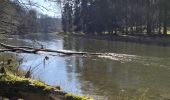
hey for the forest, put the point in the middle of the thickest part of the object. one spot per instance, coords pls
(116, 16)
(16, 17)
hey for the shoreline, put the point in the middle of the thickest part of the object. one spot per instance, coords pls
(160, 40)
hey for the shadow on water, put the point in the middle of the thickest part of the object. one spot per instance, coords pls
(135, 70)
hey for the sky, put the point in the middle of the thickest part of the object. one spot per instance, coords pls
(48, 8)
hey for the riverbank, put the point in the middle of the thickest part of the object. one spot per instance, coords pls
(162, 40)
(15, 87)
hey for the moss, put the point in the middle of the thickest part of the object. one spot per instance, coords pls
(70, 96)
(24, 84)
(14, 86)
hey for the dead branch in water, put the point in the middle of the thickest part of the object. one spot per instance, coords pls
(26, 49)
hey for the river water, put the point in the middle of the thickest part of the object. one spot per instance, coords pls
(134, 72)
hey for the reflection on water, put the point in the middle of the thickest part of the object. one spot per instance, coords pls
(134, 70)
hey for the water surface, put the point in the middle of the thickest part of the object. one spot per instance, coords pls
(134, 72)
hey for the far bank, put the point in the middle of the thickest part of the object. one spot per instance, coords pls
(162, 40)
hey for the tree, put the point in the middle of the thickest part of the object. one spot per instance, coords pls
(67, 18)
(118, 16)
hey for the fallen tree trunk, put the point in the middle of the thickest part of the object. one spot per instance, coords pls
(18, 49)
(11, 47)
(36, 50)
(111, 56)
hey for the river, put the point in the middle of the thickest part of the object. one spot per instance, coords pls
(135, 72)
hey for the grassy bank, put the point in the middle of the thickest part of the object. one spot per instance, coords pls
(14, 87)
